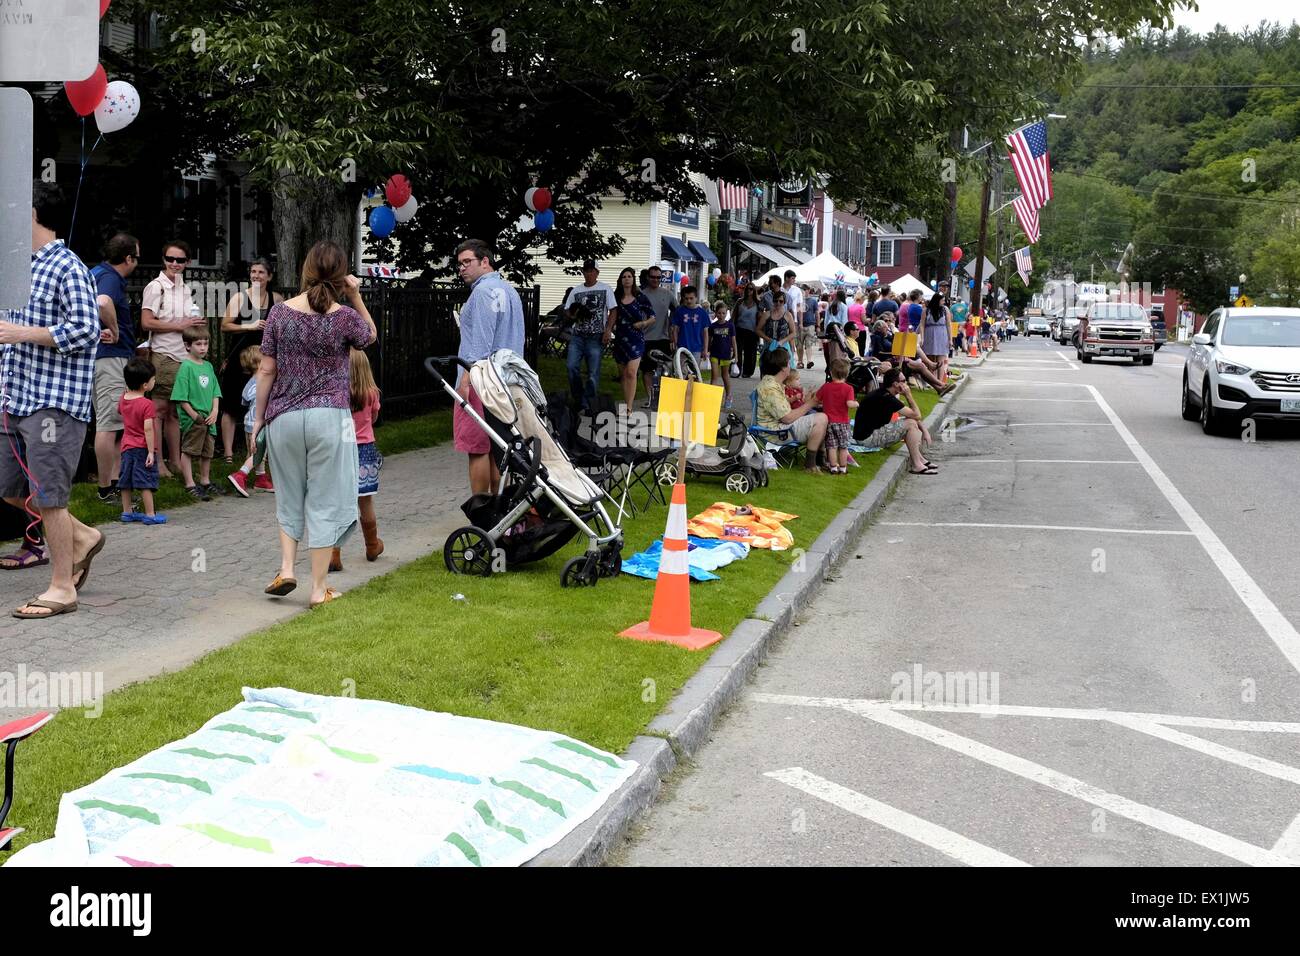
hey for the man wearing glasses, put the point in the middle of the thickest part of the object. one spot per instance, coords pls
(492, 319)
(165, 312)
(656, 337)
(116, 348)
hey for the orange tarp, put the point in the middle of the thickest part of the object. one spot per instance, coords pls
(761, 528)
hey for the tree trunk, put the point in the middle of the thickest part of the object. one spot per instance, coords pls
(305, 211)
(948, 230)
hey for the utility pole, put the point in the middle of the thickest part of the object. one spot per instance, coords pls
(997, 205)
(948, 231)
(977, 301)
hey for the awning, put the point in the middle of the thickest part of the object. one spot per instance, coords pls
(676, 249)
(770, 253)
(799, 255)
(702, 251)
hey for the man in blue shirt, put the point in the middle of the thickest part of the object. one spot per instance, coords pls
(492, 319)
(116, 348)
(47, 375)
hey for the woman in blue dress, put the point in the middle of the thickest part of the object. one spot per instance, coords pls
(635, 315)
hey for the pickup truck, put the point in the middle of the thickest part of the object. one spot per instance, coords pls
(1116, 330)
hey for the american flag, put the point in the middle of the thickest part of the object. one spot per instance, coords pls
(1027, 215)
(813, 211)
(1024, 264)
(1031, 162)
(732, 197)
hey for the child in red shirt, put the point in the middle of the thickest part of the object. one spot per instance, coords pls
(140, 436)
(837, 397)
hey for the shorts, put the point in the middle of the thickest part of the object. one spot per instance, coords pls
(810, 339)
(469, 436)
(50, 441)
(369, 461)
(110, 385)
(802, 428)
(886, 435)
(136, 475)
(837, 435)
(164, 370)
(197, 441)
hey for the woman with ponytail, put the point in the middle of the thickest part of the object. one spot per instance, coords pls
(304, 406)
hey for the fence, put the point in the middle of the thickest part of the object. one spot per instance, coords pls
(414, 321)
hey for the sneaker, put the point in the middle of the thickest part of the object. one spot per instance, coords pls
(153, 519)
(727, 403)
(240, 480)
(109, 493)
(197, 493)
(263, 483)
(215, 491)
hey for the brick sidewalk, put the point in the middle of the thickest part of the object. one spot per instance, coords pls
(160, 597)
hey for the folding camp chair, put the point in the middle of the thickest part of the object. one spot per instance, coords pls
(785, 448)
(11, 734)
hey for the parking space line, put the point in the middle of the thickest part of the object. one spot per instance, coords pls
(1072, 401)
(950, 844)
(1032, 527)
(1288, 844)
(1027, 710)
(1049, 461)
(1169, 823)
(1270, 768)
(1035, 424)
(1279, 629)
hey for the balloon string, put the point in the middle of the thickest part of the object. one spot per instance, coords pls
(81, 176)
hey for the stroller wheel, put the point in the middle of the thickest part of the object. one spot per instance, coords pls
(576, 573)
(739, 482)
(610, 564)
(666, 472)
(468, 551)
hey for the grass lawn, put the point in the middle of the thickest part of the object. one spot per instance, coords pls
(516, 648)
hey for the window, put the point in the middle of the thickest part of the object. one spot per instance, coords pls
(885, 252)
(1212, 324)
(196, 218)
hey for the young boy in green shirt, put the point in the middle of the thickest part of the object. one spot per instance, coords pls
(195, 394)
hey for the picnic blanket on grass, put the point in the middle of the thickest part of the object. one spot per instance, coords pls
(293, 779)
(758, 528)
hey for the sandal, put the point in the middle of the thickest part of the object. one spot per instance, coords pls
(281, 586)
(84, 564)
(54, 607)
(927, 470)
(330, 595)
(26, 558)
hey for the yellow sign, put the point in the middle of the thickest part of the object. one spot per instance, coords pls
(954, 329)
(904, 344)
(706, 406)
(1243, 301)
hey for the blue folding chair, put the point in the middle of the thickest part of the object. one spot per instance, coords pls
(780, 442)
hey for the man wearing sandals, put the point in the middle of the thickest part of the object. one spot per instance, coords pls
(48, 375)
(872, 425)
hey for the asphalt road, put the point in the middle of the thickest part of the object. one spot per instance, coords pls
(1075, 645)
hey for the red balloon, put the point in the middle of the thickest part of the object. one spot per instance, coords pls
(956, 252)
(85, 95)
(103, 7)
(398, 190)
(685, 279)
(542, 199)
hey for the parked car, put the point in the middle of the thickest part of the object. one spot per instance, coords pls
(1243, 363)
(1115, 329)
(1036, 323)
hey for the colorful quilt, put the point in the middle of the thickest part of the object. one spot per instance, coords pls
(292, 779)
(756, 527)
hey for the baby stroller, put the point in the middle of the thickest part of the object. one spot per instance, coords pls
(542, 500)
(862, 371)
(736, 456)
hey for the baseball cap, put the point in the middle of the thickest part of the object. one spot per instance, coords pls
(589, 264)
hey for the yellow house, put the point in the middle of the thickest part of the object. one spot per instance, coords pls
(653, 234)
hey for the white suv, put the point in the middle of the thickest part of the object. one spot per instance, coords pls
(1243, 363)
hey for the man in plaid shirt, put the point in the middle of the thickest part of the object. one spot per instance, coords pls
(47, 375)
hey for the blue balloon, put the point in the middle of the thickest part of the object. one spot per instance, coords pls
(544, 220)
(711, 281)
(970, 283)
(382, 221)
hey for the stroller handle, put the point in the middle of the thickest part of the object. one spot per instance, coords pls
(433, 361)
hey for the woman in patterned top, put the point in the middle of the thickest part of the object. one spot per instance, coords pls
(303, 402)
(635, 315)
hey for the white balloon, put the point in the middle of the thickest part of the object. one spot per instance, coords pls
(528, 198)
(119, 107)
(717, 272)
(405, 211)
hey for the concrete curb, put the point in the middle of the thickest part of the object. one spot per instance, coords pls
(684, 726)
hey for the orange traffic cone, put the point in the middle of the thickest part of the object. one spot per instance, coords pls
(973, 351)
(670, 614)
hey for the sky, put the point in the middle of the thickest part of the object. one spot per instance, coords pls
(1236, 14)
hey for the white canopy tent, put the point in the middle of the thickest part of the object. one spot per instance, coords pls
(825, 270)
(905, 285)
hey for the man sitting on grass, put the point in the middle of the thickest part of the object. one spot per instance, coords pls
(872, 425)
(806, 424)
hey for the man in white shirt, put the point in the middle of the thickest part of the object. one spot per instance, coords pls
(590, 307)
